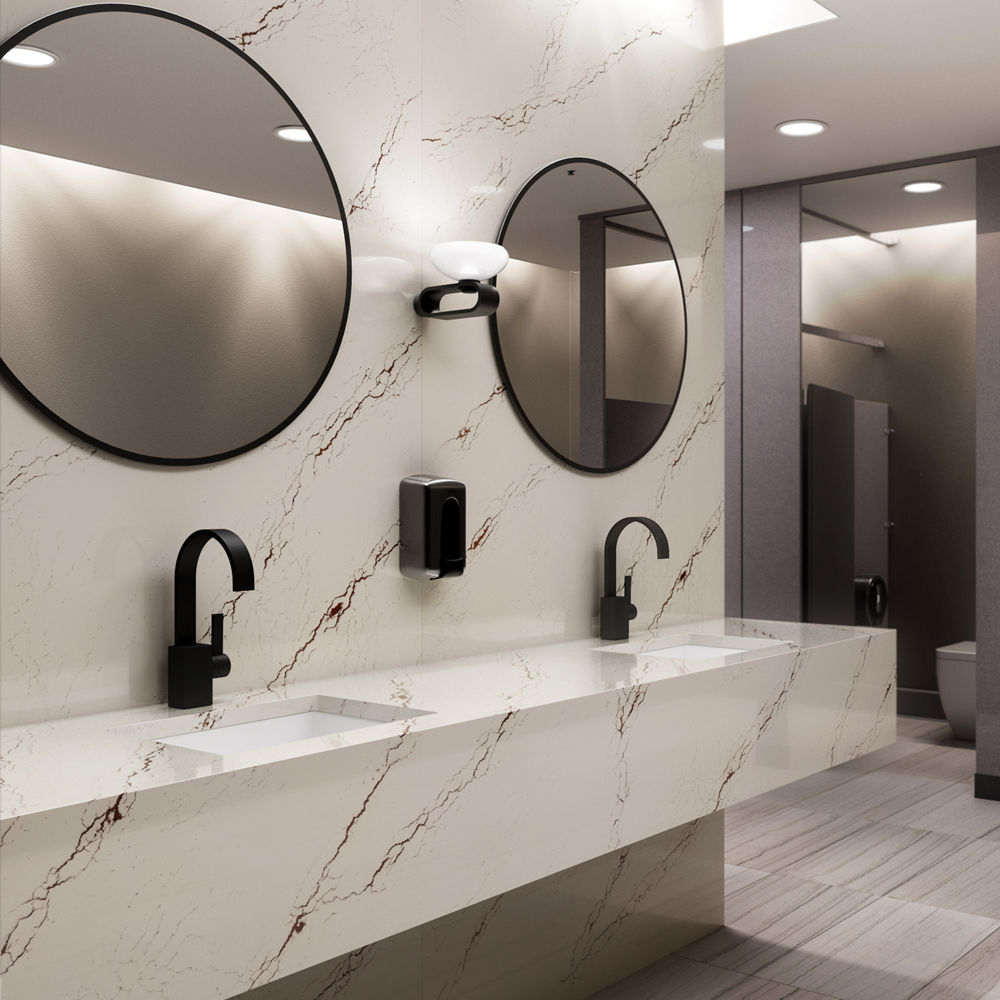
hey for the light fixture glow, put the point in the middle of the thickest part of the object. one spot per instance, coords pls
(923, 187)
(748, 229)
(471, 264)
(469, 260)
(28, 55)
(293, 133)
(746, 19)
(714, 144)
(801, 127)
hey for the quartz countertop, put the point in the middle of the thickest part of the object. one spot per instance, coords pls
(529, 762)
(79, 759)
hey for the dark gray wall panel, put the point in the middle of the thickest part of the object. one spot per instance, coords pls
(772, 475)
(829, 517)
(734, 404)
(988, 466)
(871, 490)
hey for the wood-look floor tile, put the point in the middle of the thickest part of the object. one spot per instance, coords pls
(885, 951)
(943, 763)
(953, 809)
(875, 795)
(885, 756)
(968, 879)
(769, 838)
(805, 788)
(676, 978)
(929, 730)
(975, 976)
(738, 878)
(875, 858)
(768, 918)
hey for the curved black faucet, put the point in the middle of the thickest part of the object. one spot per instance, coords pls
(617, 612)
(192, 666)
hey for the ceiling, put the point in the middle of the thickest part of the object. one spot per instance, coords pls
(149, 95)
(894, 81)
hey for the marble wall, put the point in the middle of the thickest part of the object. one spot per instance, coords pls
(432, 115)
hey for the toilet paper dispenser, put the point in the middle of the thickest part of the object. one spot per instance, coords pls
(431, 527)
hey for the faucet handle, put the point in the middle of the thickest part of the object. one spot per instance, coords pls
(220, 662)
(632, 609)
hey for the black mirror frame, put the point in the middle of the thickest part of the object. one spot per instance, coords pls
(495, 331)
(23, 35)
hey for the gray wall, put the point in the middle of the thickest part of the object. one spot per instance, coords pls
(920, 298)
(988, 474)
(767, 339)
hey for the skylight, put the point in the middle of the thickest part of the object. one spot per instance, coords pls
(745, 19)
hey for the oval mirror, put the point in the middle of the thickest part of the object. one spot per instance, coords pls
(591, 331)
(174, 276)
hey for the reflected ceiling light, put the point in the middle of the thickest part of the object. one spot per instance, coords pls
(745, 19)
(923, 187)
(801, 127)
(714, 144)
(471, 264)
(293, 133)
(28, 55)
(748, 229)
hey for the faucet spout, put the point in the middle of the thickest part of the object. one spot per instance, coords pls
(185, 573)
(191, 665)
(617, 612)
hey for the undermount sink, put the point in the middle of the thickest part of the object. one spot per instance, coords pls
(694, 647)
(277, 724)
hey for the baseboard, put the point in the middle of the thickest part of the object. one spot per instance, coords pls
(922, 704)
(988, 786)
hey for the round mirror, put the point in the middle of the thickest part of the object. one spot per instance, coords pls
(174, 274)
(591, 331)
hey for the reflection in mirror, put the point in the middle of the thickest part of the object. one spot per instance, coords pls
(591, 333)
(174, 277)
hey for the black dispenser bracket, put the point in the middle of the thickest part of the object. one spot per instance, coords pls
(431, 527)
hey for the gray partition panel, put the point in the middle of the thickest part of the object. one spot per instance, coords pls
(871, 490)
(829, 520)
(771, 431)
(988, 474)
(734, 403)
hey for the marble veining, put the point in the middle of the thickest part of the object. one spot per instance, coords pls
(427, 800)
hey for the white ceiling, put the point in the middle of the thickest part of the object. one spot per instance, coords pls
(895, 80)
(151, 96)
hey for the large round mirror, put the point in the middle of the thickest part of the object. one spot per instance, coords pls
(591, 330)
(174, 275)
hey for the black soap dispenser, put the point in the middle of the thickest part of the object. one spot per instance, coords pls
(431, 527)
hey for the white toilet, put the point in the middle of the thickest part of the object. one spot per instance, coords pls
(956, 677)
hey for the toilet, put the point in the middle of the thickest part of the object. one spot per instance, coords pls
(956, 677)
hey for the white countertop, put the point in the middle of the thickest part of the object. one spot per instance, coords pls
(78, 760)
(533, 760)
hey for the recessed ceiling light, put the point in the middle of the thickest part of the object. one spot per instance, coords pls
(28, 55)
(714, 144)
(293, 133)
(801, 127)
(923, 187)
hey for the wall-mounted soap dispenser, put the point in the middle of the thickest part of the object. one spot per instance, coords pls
(431, 527)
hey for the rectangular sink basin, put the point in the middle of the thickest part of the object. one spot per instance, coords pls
(694, 647)
(304, 719)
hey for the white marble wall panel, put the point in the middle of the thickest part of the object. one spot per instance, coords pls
(641, 93)
(415, 105)
(89, 540)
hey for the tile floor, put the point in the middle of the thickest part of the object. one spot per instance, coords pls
(876, 880)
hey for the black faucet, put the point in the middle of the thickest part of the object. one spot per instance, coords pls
(617, 612)
(192, 666)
